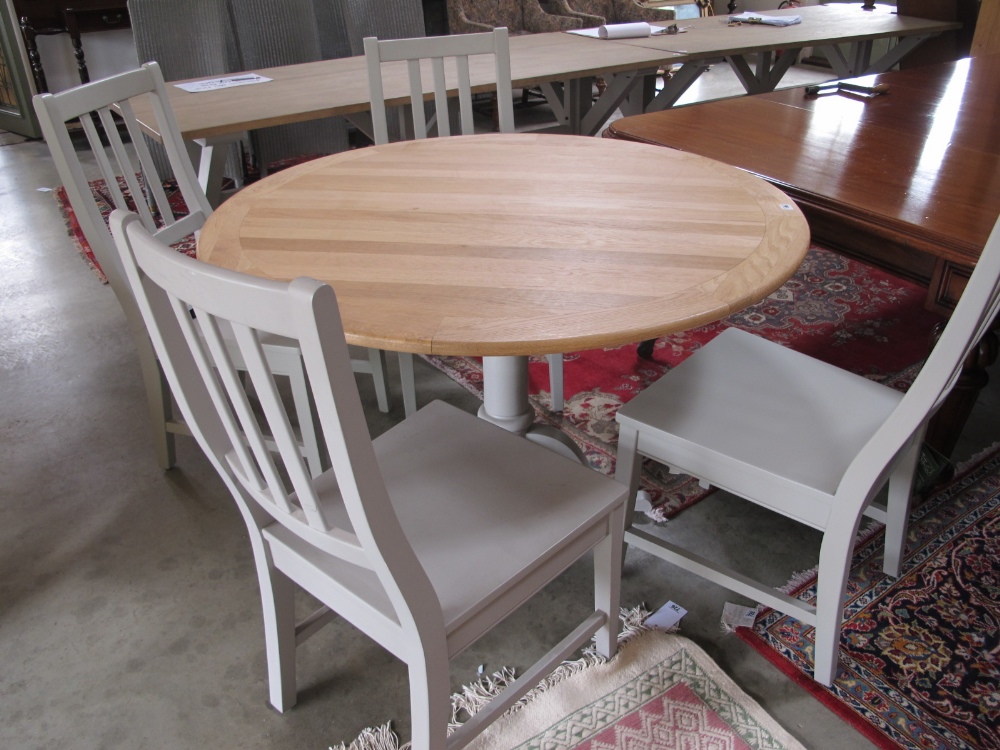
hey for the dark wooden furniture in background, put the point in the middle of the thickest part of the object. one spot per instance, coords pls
(909, 180)
(950, 45)
(73, 17)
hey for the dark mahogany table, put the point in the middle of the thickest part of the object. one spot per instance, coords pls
(908, 180)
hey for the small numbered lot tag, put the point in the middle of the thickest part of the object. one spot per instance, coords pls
(786, 206)
(666, 617)
(738, 616)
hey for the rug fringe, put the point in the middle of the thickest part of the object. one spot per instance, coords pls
(374, 738)
(474, 697)
(976, 459)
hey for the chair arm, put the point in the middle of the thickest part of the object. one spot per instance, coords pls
(538, 21)
(460, 23)
(562, 8)
(629, 10)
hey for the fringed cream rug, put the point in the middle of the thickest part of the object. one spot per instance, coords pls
(660, 691)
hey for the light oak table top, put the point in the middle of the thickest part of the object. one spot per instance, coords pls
(502, 245)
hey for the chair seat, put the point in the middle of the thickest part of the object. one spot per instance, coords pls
(748, 412)
(478, 529)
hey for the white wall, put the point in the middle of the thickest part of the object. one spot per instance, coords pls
(105, 52)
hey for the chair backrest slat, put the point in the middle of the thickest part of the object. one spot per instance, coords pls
(156, 196)
(464, 94)
(136, 181)
(281, 431)
(437, 51)
(441, 97)
(215, 364)
(417, 99)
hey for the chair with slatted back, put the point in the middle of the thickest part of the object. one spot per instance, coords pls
(131, 181)
(444, 77)
(424, 538)
(804, 439)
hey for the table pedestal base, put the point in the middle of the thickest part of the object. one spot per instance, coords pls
(505, 404)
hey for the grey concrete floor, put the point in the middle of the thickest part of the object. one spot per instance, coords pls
(129, 610)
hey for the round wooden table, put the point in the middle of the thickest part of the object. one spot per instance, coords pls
(505, 246)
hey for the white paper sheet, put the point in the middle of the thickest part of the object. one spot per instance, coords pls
(212, 84)
(625, 30)
(635, 30)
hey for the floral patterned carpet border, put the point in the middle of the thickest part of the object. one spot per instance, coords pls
(834, 308)
(920, 656)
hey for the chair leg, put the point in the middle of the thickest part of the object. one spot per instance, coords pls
(430, 704)
(834, 566)
(898, 508)
(307, 417)
(377, 359)
(627, 466)
(645, 348)
(408, 384)
(556, 380)
(608, 556)
(277, 594)
(158, 399)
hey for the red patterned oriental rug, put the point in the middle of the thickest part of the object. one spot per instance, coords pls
(920, 655)
(104, 201)
(836, 309)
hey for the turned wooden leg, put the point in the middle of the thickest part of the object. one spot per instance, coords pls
(34, 59)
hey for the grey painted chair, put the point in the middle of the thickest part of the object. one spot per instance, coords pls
(390, 538)
(801, 438)
(455, 51)
(108, 101)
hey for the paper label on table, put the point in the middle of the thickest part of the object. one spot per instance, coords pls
(222, 83)
(765, 20)
(666, 617)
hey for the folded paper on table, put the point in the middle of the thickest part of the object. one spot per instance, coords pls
(765, 20)
(620, 31)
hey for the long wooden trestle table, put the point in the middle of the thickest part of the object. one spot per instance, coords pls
(506, 246)
(564, 65)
